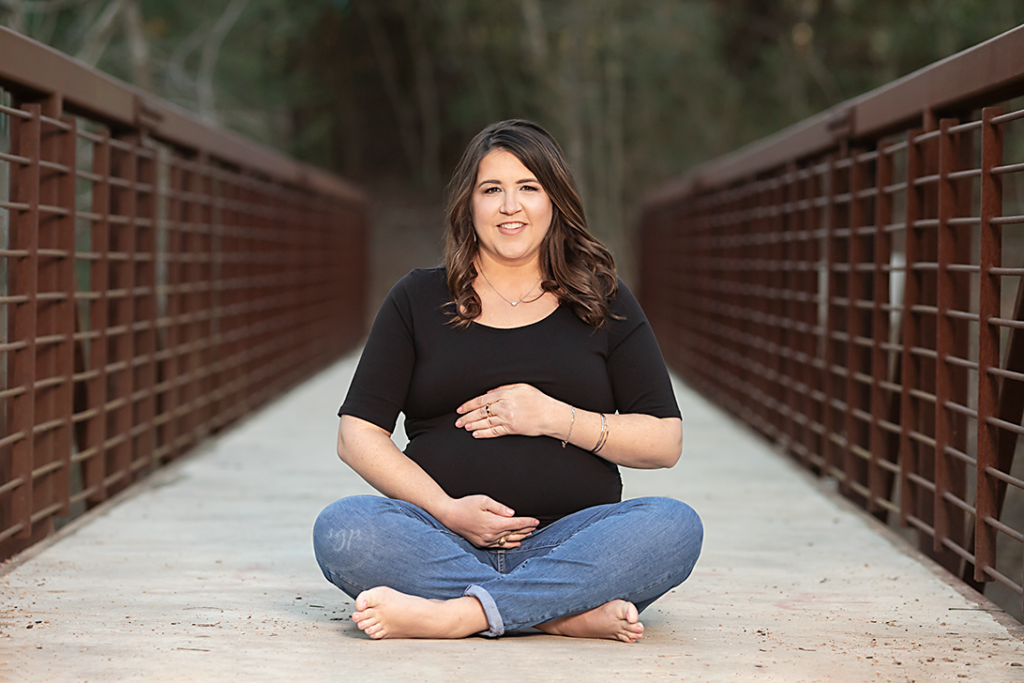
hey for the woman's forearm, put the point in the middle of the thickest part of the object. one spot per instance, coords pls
(632, 440)
(483, 521)
(369, 450)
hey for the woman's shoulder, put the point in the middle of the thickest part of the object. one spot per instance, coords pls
(422, 283)
(418, 277)
(626, 314)
(624, 304)
(420, 289)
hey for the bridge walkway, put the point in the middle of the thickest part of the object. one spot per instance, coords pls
(205, 572)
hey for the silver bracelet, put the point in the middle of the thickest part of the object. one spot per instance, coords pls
(572, 421)
(603, 436)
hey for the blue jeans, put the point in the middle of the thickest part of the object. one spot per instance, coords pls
(636, 550)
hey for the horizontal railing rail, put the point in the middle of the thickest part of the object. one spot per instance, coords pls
(852, 288)
(161, 279)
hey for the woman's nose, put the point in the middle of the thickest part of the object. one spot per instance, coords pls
(511, 204)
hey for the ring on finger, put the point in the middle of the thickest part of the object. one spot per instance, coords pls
(487, 407)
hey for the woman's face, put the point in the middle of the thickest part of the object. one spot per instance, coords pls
(511, 211)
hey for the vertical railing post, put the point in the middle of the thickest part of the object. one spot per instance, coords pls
(879, 480)
(99, 309)
(146, 339)
(830, 446)
(772, 286)
(947, 194)
(24, 237)
(66, 145)
(123, 228)
(190, 298)
(215, 375)
(853, 463)
(789, 227)
(910, 333)
(990, 296)
(817, 287)
(173, 226)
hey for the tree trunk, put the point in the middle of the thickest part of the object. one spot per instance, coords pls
(392, 83)
(426, 95)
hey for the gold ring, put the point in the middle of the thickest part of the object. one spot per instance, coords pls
(487, 407)
(501, 541)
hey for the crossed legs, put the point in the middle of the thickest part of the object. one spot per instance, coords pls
(588, 575)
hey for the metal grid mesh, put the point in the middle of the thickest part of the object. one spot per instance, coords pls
(836, 304)
(153, 294)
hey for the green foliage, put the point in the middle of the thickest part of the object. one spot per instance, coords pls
(637, 91)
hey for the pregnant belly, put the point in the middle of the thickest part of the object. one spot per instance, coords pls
(534, 476)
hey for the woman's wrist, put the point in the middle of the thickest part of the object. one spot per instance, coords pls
(440, 508)
(565, 422)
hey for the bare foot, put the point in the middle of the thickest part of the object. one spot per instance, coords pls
(383, 612)
(615, 620)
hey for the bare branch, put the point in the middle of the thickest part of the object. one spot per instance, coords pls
(211, 52)
(42, 6)
(176, 77)
(138, 46)
(16, 16)
(100, 33)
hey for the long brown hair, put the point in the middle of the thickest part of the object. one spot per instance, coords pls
(575, 266)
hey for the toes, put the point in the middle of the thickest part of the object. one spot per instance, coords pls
(631, 613)
(368, 621)
(369, 598)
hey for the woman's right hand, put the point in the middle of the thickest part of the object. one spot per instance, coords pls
(486, 523)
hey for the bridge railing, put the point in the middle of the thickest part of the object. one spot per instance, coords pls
(852, 288)
(161, 279)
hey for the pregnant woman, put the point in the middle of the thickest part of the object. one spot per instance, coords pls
(527, 373)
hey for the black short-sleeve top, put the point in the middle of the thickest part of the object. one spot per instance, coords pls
(416, 362)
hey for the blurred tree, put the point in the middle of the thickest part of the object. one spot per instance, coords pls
(389, 91)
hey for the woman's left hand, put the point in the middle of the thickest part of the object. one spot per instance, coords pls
(510, 409)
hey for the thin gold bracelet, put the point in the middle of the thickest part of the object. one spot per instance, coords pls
(572, 421)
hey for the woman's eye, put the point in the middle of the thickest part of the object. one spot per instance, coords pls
(532, 188)
(491, 190)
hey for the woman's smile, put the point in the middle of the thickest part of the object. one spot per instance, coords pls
(511, 228)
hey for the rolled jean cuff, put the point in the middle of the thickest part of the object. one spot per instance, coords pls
(496, 626)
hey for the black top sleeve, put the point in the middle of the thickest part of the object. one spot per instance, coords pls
(381, 382)
(640, 381)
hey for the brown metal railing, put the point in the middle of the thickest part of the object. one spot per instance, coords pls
(161, 279)
(852, 287)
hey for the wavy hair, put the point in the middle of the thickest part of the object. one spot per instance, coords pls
(575, 266)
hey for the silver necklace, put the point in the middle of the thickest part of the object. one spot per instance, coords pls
(511, 303)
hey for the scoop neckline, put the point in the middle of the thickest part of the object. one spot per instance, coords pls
(520, 327)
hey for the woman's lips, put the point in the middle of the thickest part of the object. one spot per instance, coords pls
(511, 228)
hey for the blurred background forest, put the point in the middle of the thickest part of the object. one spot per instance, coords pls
(388, 92)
